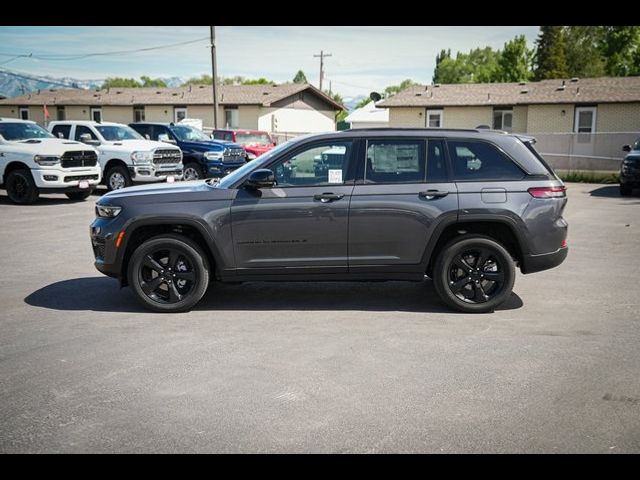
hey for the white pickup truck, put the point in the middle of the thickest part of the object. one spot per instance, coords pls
(32, 161)
(124, 155)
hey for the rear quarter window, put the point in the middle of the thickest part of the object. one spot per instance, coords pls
(477, 161)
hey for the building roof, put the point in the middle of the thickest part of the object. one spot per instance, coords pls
(264, 95)
(369, 113)
(585, 90)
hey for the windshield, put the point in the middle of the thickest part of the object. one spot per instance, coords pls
(22, 131)
(236, 175)
(253, 139)
(189, 134)
(114, 133)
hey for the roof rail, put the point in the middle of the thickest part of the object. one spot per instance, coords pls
(406, 129)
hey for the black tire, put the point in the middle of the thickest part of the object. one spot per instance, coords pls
(625, 190)
(117, 177)
(157, 283)
(79, 196)
(463, 284)
(21, 189)
(194, 171)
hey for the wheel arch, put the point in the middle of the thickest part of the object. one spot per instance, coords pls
(11, 166)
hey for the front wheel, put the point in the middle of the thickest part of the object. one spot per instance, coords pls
(79, 196)
(474, 274)
(21, 188)
(192, 171)
(169, 273)
(117, 177)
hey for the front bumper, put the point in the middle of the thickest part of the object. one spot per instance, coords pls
(630, 180)
(151, 173)
(537, 263)
(66, 180)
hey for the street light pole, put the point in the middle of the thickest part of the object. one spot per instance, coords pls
(214, 77)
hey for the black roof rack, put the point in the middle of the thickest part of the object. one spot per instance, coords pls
(411, 129)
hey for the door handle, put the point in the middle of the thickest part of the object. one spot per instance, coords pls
(328, 197)
(430, 194)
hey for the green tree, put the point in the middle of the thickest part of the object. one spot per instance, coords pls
(393, 89)
(363, 102)
(257, 81)
(300, 77)
(119, 82)
(336, 97)
(480, 65)
(583, 51)
(551, 60)
(514, 61)
(620, 45)
(152, 82)
(201, 80)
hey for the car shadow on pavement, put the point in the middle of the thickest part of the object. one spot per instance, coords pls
(58, 199)
(104, 295)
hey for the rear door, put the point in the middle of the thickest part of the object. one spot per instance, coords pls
(402, 192)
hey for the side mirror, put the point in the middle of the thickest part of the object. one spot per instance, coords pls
(626, 148)
(146, 135)
(262, 178)
(61, 135)
(163, 137)
(86, 138)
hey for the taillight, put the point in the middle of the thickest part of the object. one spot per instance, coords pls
(548, 192)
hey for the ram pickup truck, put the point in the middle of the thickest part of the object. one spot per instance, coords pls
(202, 156)
(125, 156)
(32, 161)
(255, 142)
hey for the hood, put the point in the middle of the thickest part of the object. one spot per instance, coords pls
(197, 190)
(47, 146)
(137, 145)
(258, 150)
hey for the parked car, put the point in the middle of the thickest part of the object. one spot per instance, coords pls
(202, 157)
(464, 207)
(32, 161)
(255, 142)
(124, 155)
(630, 169)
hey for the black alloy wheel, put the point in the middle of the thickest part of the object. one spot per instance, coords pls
(21, 189)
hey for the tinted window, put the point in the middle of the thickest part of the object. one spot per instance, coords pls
(390, 161)
(156, 130)
(218, 135)
(318, 165)
(61, 131)
(436, 161)
(22, 131)
(141, 129)
(82, 130)
(481, 161)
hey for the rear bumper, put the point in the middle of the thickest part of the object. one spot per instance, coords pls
(537, 263)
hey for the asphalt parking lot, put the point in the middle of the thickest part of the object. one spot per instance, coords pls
(333, 367)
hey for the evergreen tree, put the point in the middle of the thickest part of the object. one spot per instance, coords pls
(551, 60)
(300, 77)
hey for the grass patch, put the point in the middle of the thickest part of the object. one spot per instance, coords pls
(590, 177)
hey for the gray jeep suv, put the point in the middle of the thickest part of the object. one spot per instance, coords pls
(463, 207)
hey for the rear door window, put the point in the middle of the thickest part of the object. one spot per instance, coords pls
(476, 161)
(61, 131)
(82, 130)
(395, 161)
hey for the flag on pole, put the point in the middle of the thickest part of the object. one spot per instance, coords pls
(46, 112)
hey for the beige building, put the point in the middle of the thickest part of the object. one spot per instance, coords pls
(590, 105)
(287, 108)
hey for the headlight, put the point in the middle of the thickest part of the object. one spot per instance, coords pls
(107, 211)
(213, 155)
(142, 158)
(251, 156)
(46, 160)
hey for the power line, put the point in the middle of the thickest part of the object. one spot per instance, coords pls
(65, 57)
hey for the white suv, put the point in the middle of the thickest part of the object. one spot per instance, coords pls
(32, 161)
(124, 155)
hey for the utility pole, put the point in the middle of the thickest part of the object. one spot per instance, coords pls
(322, 57)
(214, 77)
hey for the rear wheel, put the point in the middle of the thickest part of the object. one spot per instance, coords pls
(79, 196)
(169, 273)
(192, 171)
(474, 274)
(625, 190)
(21, 188)
(117, 177)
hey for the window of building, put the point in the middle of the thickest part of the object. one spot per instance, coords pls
(231, 117)
(61, 114)
(503, 119)
(317, 165)
(96, 114)
(475, 161)
(585, 120)
(24, 113)
(179, 114)
(390, 161)
(61, 131)
(434, 118)
(138, 114)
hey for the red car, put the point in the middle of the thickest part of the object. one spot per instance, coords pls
(255, 142)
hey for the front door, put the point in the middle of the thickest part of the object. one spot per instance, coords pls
(302, 222)
(402, 192)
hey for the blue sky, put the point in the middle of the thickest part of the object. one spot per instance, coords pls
(363, 58)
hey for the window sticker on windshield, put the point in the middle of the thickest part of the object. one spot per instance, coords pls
(335, 176)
